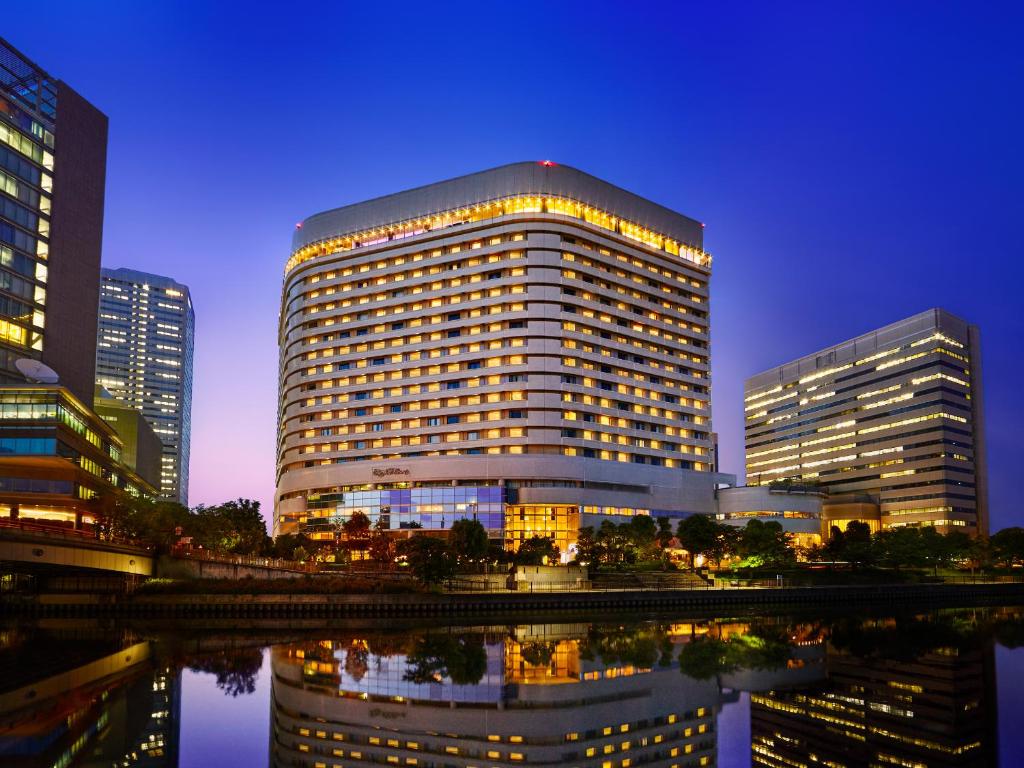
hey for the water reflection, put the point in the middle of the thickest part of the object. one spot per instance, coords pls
(553, 694)
(916, 690)
(919, 692)
(84, 697)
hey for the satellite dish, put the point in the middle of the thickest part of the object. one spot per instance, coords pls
(36, 371)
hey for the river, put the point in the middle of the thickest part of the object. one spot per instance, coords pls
(896, 690)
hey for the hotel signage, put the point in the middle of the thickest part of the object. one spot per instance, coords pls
(389, 471)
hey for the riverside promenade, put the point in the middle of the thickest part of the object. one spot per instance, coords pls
(221, 607)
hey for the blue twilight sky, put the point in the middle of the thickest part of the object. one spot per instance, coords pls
(855, 163)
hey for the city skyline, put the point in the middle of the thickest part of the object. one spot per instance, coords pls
(790, 206)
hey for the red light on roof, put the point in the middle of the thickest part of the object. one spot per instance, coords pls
(702, 225)
(547, 163)
(299, 225)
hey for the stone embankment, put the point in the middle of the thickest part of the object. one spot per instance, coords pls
(307, 607)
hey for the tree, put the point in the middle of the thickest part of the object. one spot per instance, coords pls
(356, 528)
(355, 534)
(766, 543)
(854, 545)
(460, 658)
(942, 550)
(286, 544)
(381, 545)
(153, 523)
(641, 534)
(664, 531)
(468, 540)
(430, 559)
(698, 535)
(236, 670)
(612, 544)
(535, 550)
(1007, 546)
(587, 551)
(901, 547)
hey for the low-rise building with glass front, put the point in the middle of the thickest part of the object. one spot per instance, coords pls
(895, 415)
(527, 345)
(60, 463)
(797, 509)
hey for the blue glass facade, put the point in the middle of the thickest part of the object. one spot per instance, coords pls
(432, 508)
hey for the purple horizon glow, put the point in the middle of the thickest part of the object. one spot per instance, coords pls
(854, 167)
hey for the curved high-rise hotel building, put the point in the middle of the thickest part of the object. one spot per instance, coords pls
(527, 345)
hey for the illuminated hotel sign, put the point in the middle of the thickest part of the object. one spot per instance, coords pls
(390, 471)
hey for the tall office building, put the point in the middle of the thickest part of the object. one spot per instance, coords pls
(894, 415)
(60, 463)
(527, 345)
(53, 150)
(144, 358)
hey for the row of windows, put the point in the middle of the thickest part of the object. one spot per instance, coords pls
(547, 450)
(412, 389)
(19, 190)
(21, 240)
(494, 309)
(621, 322)
(496, 397)
(660, 349)
(425, 438)
(912, 404)
(594, 435)
(35, 485)
(400, 309)
(494, 433)
(483, 450)
(885, 356)
(395, 278)
(821, 436)
(23, 169)
(26, 146)
(415, 340)
(622, 405)
(611, 386)
(600, 298)
(396, 261)
(888, 395)
(411, 373)
(621, 258)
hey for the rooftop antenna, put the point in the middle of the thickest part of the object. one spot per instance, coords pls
(36, 371)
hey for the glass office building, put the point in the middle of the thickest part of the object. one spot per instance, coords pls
(528, 335)
(894, 415)
(53, 147)
(144, 358)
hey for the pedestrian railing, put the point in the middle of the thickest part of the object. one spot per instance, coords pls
(252, 560)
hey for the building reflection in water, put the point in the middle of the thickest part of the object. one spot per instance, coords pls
(85, 698)
(542, 694)
(915, 693)
(893, 693)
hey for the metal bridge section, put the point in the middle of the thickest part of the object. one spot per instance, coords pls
(26, 547)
